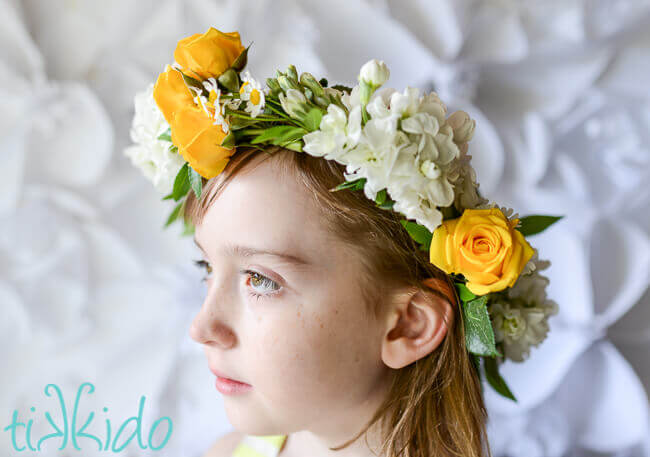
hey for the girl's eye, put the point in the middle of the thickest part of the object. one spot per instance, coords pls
(203, 264)
(258, 282)
(268, 286)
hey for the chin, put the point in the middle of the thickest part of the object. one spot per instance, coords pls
(249, 419)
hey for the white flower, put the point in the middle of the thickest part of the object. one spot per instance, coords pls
(463, 126)
(374, 156)
(251, 91)
(414, 207)
(405, 104)
(406, 147)
(374, 72)
(212, 105)
(520, 313)
(352, 99)
(431, 104)
(336, 134)
(378, 105)
(434, 142)
(463, 177)
(149, 153)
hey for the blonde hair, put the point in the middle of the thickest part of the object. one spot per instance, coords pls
(434, 405)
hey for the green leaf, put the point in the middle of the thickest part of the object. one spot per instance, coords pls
(173, 148)
(479, 335)
(195, 180)
(174, 214)
(279, 134)
(181, 183)
(357, 184)
(228, 141)
(238, 123)
(530, 225)
(295, 146)
(389, 205)
(323, 82)
(418, 232)
(230, 80)
(312, 119)
(189, 81)
(167, 135)
(496, 381)
(381, 197)
(241, 60)
(464, 293)
(168, 196)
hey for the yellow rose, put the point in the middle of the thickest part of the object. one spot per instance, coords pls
(171, 94)
(198, 141)
(483, 246)
(208, 55)
(193, 132)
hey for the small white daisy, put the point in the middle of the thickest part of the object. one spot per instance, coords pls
(251, 91)
(213, 104)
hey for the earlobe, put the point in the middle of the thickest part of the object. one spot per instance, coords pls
(417, 325)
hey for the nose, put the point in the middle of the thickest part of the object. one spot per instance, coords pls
(209, 325)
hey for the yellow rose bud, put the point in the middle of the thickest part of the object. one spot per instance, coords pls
(483, 246)
(198, 141)
(208, 55)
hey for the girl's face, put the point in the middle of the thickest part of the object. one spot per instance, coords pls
(294, 328)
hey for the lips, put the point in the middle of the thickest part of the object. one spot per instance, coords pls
(224, 376)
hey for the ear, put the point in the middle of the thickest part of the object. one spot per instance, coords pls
(416, 323)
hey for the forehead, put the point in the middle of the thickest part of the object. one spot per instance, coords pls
(262, 206)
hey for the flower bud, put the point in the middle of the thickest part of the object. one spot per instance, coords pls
(287, 83)
(292, 73)
(462, 125)
(272, 83)
(374, 72)
(308, 81)
(294, 103)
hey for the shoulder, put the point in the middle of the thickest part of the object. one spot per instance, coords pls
(225, 445)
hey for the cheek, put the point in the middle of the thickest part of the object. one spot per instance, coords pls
(305, 358)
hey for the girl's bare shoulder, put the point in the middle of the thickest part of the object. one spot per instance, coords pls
(225, 445)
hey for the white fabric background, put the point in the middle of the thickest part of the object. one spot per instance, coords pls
(560, 92)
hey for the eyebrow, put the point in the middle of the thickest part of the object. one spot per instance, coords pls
(245, 251)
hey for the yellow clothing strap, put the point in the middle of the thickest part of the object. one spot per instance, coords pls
(259, 446)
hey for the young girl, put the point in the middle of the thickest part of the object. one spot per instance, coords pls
(333, 325)
(322, 304)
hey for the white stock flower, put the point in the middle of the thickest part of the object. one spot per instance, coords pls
(419, 180)
(336, 133)
(431, 104)
(406, 147)
(404, 104)
(463, 126)
(352, 99)
(520, 313)
(374, 156)
(374, 72)
(149, 154)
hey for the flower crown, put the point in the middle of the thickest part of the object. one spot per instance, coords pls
(398, 147)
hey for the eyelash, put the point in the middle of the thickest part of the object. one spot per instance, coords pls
(203, 264)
